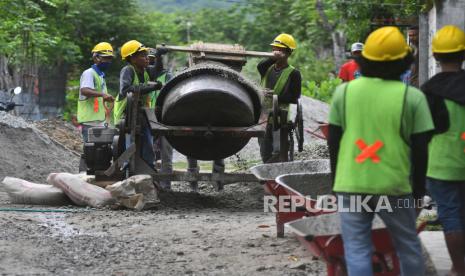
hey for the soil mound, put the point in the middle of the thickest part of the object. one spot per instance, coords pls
(28, 153)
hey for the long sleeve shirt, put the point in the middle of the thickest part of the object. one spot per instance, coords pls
(292, 89)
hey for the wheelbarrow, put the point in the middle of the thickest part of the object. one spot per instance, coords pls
(322, 131)
(321, 236)
(267, 174)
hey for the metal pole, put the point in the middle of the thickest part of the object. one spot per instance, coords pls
(189, 24)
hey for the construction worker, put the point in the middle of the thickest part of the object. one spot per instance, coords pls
(413, 42)
(286, 82)
(93, 92)
(163, 149)
(446, 166)
(378, 138)
(135, 78)
(349, 70)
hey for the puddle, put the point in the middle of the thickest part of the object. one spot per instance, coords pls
(55, 222)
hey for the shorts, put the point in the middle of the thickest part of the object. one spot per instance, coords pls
(450, 198)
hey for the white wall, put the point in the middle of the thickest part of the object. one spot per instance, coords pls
(449, 12)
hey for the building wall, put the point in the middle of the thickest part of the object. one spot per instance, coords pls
(443, 13)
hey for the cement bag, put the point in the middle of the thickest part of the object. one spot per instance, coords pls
(79, 191)
(24, 192)
(135, 192)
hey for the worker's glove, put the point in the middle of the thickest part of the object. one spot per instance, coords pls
(155, 85)
(161, 50)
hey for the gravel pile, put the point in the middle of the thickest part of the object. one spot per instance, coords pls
(28, 153)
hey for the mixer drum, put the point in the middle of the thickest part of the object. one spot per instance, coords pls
(209, 95)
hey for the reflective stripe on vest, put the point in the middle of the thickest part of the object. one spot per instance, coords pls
(120, 105)
(373, 157)
(280, 83)
(91, 109)
(162, 80)
(446, 150)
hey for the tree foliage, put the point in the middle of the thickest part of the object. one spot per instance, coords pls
(50, 32)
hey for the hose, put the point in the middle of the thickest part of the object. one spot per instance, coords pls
(43, 210)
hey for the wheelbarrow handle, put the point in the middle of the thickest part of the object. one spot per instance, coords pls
(313, 132)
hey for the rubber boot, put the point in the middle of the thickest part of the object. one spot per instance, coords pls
(194, 186)
(193, 167)
(218, 167)
(456, 246)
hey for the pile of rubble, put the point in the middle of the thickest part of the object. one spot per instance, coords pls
(61, 132)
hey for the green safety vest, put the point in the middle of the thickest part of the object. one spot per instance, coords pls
(372, 125)
(120, 105)
(91, 109)
(280, 83)
(162, 79)
(447, 150)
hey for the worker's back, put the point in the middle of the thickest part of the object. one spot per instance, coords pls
(372, 119)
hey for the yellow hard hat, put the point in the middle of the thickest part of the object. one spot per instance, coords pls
(284, 41)
(131, 47)
(385, 44)
(104, 49)
(449, 39)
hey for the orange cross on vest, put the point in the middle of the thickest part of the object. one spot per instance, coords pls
(96, 105)
(368, 151)
(463, 138)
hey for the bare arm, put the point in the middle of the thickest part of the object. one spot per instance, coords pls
(89, 92)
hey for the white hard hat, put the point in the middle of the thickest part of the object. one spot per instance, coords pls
(357, 46)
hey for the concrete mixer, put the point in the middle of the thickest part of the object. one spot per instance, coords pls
(208, 111)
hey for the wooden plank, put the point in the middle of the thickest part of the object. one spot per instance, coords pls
(189, 49)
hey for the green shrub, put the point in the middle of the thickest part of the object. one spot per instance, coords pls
(322, 91)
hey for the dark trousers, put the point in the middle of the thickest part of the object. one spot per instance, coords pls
(193, 166)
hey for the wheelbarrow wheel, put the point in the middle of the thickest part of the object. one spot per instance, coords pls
(299, 127)
(276, 113)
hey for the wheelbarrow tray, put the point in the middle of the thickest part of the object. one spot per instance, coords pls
(308, 185)
(321, 236)
(269, 171)
(317, 171)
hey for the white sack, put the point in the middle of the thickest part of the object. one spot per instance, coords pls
(79, 191)
(24, 192)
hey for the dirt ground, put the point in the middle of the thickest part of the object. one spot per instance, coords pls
(187, 234)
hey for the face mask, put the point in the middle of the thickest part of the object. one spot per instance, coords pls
(279, 54)
(103, 66)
